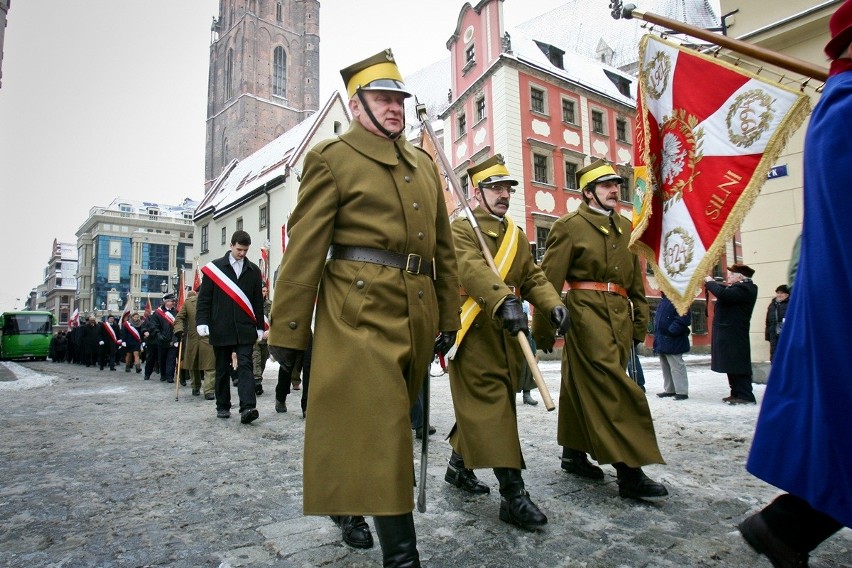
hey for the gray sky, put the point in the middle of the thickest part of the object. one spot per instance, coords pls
(108, 98)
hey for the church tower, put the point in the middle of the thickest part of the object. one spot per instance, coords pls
(263, 78)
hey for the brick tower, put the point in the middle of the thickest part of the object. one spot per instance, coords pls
(263, 78)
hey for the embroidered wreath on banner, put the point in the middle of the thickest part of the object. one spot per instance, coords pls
(681, 153)
(752, 111)
(678, 249)
(656, 80)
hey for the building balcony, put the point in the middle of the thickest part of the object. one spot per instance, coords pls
(101, 211)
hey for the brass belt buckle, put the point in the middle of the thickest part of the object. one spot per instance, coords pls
(408, 263)
(610, 287)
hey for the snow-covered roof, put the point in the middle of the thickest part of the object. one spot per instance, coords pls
(576, 68)
(241, 178)
(584, 27)
(142, 207)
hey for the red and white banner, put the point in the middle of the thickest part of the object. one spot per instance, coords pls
(128, 308)
(148, 308)
(263, 264)
(181, 293)
(196, 281)
(230, 288)
(707, 134)
(74, 320)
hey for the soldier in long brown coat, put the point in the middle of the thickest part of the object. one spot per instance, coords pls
(601, 411)
(197, 355)
(487, 364)
(389, 287)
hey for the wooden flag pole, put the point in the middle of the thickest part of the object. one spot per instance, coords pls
(800, 66)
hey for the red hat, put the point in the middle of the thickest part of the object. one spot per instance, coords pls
(840, 26)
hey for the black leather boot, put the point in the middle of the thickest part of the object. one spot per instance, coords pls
(633, 483)
(516, 507)
(398, 541)
(576, 462)
(463, 478)
(356, 531)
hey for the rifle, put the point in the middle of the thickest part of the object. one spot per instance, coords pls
(420, 109)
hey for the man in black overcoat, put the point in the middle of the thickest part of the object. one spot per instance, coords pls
(731, 350)
(230, 312)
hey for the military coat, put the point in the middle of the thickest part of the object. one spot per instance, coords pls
(601, 411)
(197, 352)
(487, 369)
(375, 325)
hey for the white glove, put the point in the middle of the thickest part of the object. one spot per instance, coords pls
(259, 334)
(202, 330)
(124, 344)
(100, 342)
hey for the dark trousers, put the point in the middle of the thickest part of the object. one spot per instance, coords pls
(244, 374)
(741, 386)
(795, 522)
(167, 355)
(108, 355)
(151, 358)
(282, 389)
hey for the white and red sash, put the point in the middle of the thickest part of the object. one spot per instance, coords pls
(230, 288)
(132, 331)
(166, 316)
(111, 332)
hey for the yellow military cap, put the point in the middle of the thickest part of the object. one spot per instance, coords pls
(376, 73)
(491, 171)
(597, 171)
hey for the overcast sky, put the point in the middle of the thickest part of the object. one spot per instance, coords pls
(108, 98)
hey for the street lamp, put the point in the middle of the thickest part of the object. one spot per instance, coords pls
(164, 286)
(175, 280)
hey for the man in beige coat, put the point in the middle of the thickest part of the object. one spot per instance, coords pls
(487, 364)
(601, 411)
(197, 354)
(389, 287)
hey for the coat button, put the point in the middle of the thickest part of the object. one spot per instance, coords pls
(495, 286)
(293, 325)
(420, 235)
(416, 206)
(407, 179)
(359, 284)
(420, 293)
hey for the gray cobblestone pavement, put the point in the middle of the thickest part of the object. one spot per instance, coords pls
(101, 468)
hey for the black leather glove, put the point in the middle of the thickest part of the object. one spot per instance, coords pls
(444, 341)
(512, 313)
(287, 358)
(560, 319)
(178, 335)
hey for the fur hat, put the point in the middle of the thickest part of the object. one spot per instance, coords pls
(743, 269)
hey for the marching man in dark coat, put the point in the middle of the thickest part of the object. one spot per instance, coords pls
(487, 364)
(230, 312)
(389, 287)
(158, 332)
(731, 351)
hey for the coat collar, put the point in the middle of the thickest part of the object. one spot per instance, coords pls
(378, 148)
(601, 222)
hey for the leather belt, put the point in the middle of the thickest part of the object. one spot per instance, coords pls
(599, 287)
(411, 263)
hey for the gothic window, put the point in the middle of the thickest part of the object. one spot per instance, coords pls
(229, 71)
(279, 72)
(279, 11)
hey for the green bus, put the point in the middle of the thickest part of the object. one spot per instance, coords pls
(25, 335)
